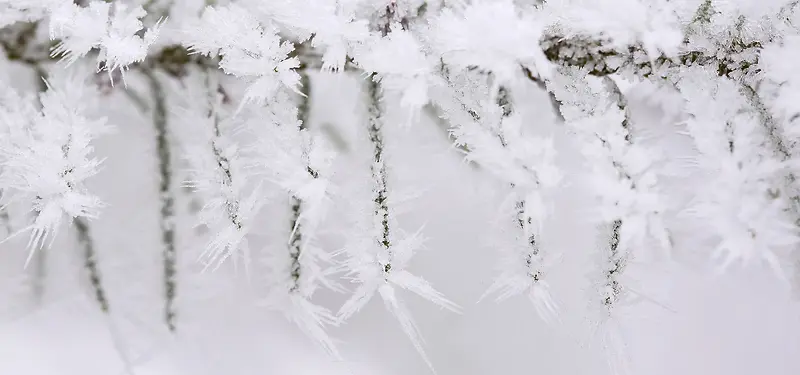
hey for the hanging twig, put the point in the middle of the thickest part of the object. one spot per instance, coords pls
(378, 165)
(90, 262)
(165, 195)
(296, 236)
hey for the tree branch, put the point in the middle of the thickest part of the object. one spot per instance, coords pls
(600, 59)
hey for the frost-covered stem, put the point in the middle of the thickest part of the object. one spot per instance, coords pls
(165, 195)
(778, 144)
(622, 104)
(376, 137)
(90, 262)
(594, 55)
(295, 244)
(222, 161)
(379, 167)
(773, 131)
(523, 220)
(296, 239)
(83, 233)
(780, 148)
(19, 48)
(617, 257)
(20, 51)
(613, 287)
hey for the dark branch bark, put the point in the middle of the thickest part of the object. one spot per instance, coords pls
(599, 59)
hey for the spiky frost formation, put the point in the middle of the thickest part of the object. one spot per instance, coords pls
(378, 261)
(219, 172)
(110, 27)
(743, 198)
(47, 155)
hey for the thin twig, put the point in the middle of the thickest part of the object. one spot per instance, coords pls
(90, 262)
(165, 195)
(378, 164)
(296, 227)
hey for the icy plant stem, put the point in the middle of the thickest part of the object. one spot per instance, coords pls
(296, 237)
(523, 220)
(376, 137)
(222, 164)
(165, 194)
(295, 241)
(378, 165)
(90, 262)
(232, 207)
(613, 285)
(778, 144)
(84, 235)
(617, 257)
